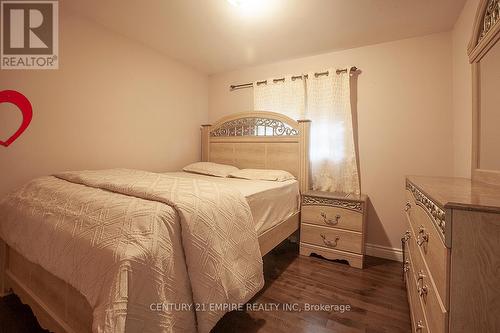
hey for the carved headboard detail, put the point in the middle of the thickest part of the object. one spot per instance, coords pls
(485, 30)
(259, 140)
(254, 126)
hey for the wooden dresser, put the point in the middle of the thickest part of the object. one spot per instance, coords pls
(452, 255)
(333, 226)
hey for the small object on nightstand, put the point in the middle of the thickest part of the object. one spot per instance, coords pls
(332, 225)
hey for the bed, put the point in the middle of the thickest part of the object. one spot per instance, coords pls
(270, 202)
(247, 140)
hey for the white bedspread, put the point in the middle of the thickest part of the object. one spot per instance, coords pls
(128, 239)
(270, 202)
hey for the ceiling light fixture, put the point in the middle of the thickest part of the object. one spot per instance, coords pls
(250, 7)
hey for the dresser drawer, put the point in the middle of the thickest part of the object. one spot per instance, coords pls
(332, 217)
(430, 214)
(418, 320)
(331, 238)
(424, 288)
(430, 244)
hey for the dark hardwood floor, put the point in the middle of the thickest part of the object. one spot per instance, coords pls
(376, 297)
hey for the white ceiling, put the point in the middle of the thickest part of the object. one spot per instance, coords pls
(214, 36)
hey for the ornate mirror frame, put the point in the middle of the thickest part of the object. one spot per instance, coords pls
(485, 34)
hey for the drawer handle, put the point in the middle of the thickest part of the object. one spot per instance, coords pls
(422, 291)
(420, 326)
(422, 237)
(404, 239)
(328, 242)
(407, 206)
(406, 266)
(330, 221)
(406, 236)
(420, 281)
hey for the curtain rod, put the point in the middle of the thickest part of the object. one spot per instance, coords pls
(304, 76)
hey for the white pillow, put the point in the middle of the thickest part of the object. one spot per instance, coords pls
(209, 168)
(261, 174)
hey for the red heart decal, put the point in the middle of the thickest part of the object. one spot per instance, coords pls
(19, 100)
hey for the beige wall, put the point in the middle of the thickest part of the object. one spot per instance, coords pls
(112, 103)
(462, 91)
(116, 103)
(404, 115)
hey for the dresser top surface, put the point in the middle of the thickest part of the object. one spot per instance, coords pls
(459, 193)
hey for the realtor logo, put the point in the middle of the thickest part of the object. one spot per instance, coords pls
(29, 36)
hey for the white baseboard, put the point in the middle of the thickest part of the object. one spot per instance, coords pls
(385, 252)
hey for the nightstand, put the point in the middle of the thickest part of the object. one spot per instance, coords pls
(332, 225)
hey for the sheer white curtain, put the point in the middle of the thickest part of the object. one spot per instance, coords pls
(287, 97)
(333, 156)
(326, 101)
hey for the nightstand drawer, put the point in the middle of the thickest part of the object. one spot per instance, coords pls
(332, 238)
(327, 216)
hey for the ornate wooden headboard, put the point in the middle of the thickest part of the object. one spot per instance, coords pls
(259, 140)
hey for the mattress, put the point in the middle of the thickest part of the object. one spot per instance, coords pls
(270, 202)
